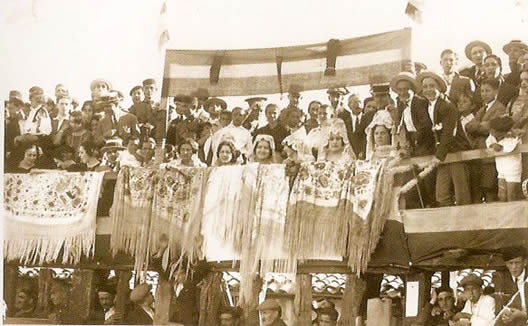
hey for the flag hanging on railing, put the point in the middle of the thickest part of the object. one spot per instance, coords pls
(358, 61)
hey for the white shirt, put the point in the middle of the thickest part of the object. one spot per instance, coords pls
(42, 123)
(149, 311)
(465, 120)
(490, 104)
(430, 110)
(407, 117)
(355, 120)
(109, 313)
(483, 312)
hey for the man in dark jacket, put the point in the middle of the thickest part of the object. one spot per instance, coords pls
(270, 313)
(440, 309)
(142, 313)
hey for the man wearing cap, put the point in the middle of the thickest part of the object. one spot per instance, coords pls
(107, 127)
(106, 295)
(38, 122)
(99, 86)
(14, 120)
(479, 309)
(185, 125)
(515, 49)
(256, 105)
(509, 282)
(335, 96)
(270, 313)
(327, 316)
(273, 128)
(456, 83)
(381, 94)
(476, 51)
(440, 310)
(142, 314)
(137, 95)
(439, 132)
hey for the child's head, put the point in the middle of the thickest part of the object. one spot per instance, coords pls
(489, 90)
(500, 126)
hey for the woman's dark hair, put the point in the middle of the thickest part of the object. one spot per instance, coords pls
(24, 148)
(269, 146)
(90, 148)
(88, 103)
(189, 142)
(234, 151)
(499, 61)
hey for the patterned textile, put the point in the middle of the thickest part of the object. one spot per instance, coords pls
(131, 213)
(329, 203)
(49, 212)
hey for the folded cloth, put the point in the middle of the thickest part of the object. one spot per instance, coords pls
(49, 212)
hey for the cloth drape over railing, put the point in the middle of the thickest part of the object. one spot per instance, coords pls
(48, 214)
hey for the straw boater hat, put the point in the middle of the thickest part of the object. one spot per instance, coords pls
(407, 76)
(216, 101)
(139, 292)
(471, 45)
(429, 74)
(515, 44)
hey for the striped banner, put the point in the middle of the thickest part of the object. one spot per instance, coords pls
(479, 228)
(360, 61)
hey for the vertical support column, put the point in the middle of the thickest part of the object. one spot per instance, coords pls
(445, 278)
(355, 288)
(250, 313)
(122, 291)
(163, 298)
(303, 299)
(83, 285)
(44, 287)
(210, 299)
(10, 287)
(418, 287)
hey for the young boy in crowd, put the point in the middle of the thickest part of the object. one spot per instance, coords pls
(509, 167)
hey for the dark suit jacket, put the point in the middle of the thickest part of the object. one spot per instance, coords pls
(458, 85)
(506, 93)
(357, 138)
(478, 129)
(143, 111)
(184, 309)
(278, 133)
(471, 74)
(440, 142)
(504, 290)
(138, 316)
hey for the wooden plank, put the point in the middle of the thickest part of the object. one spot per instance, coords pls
(44, 287)
(463, 156)
(83, 285)
(122, 291)
(163, 298)
(249, 308)
(210, 299)
(355, 288)
(10, 288)
(303, 299)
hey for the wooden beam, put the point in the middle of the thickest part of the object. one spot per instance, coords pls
(10, 287)
(83, 285)
(122, 291)
(163, 299)
(210, 299)
(350, 307)
(302, 304)
(44, 287)
(249, 308)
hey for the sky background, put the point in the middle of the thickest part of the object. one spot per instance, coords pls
(45, 42)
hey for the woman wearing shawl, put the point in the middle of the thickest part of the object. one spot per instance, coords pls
(187, 156)
(379, 136)
(263, 149)
(337, 148)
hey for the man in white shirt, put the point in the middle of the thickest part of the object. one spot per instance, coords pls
(456, 83)
(241, 136)
(513, 282)
(479, 309)
(38, 122)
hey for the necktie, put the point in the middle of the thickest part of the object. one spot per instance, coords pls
(354, 123)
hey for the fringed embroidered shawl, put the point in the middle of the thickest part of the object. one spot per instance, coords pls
(49, 212)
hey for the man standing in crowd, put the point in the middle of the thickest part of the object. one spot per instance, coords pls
(229, 316)
(241, 136)
(273, 128)
(327, 316)
(476, 51)
(252, 117)
(456, 83)
(356, 122)
(25, 302)
(369, 105)
(99, 86)
(381, 95)
(107, 126)
(294, 95)
(512, 282)
(335, 96)
(270, 313)
(440, 310)
(14, 120)
(137, 95)
(439, 132)
(38, 122)
(106, 295)
(142, 313)
(515, 49)
(479, 308)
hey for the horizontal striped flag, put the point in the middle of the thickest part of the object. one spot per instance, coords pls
(358, 61)
(440, 236)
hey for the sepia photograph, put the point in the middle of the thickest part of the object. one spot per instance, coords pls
(265, 163)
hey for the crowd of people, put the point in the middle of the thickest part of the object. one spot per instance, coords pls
(432, 114)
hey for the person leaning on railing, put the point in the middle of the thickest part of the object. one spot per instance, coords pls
(518, 109)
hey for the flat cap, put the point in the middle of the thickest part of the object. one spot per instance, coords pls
(515, 44)
(100, 81)
(139, 292)
(513, 252)
(269, 304)
(149, 81)
(135, 88)
(471, 279)
(379, 88)
(337, 90)
(35, 90)
(183, 99)
(15, 96)
(106, 288)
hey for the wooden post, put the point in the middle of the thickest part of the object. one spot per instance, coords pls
(303, 299)
(163, 298)
(83, 285)
(10, 287)
(445, 278)
(354, 290)
(414, 304)
(210, 299)
(122, 291)
(249, 308)
(44, 287)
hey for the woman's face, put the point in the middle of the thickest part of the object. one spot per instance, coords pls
(87, 112)
(263, 150)
(225, 155)
(30, 155)
(76, 125)
(186, 152)
(381, 136)
(83, 155)
(335, 143)
(491, 68)
(93, 124)
(464, 103)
